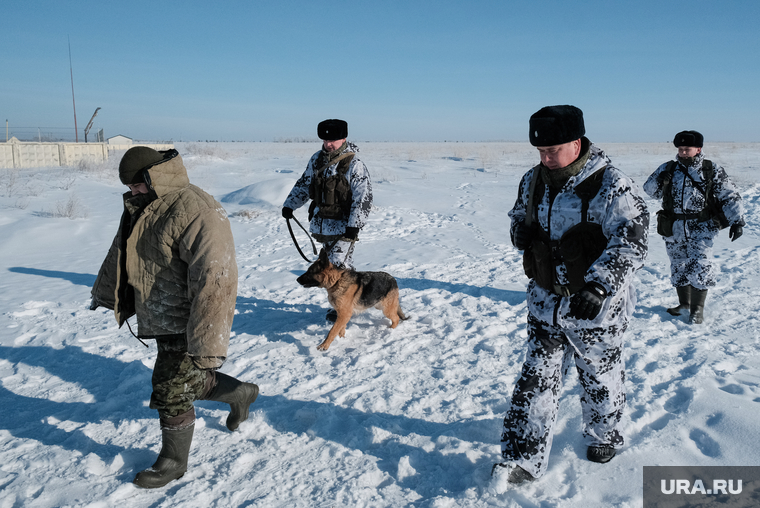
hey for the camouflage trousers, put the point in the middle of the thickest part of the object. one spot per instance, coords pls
(177, 382)
(340, 252)
(691, 261)
(528, 426)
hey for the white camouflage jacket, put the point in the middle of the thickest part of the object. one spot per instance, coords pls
(622, 213)
(361, 189)
(688, 198)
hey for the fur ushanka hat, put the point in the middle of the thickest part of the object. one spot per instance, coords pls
(330, 130)
(689, 138)
(556, 125)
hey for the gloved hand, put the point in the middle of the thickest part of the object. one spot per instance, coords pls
(351, 233)
(287, 212)
(586, 303)
(663, 178)
(735, 232)
(523, 236)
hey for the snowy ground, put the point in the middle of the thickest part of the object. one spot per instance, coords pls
(404, 417)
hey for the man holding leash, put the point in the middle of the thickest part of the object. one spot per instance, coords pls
(340, 190)
(698, 199)
(582, 225)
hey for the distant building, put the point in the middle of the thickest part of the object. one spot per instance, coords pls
(119, 140)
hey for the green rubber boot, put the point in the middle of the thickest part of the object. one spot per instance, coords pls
(238, 394)
(172, 461)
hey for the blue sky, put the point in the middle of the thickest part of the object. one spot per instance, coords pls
(395, 70)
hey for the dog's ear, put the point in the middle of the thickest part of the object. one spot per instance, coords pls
(323, 256)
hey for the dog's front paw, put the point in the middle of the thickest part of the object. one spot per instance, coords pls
(323, 346)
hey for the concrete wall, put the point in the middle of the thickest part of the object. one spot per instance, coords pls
(18, 154)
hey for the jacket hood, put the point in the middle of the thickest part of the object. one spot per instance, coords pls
(168, 176)
(597, 159)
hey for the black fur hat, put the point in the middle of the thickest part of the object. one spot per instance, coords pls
(330, 130)
(689, 138)
(556, 125)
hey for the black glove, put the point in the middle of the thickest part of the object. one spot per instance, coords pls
(523, 236)
(663, 178)
(287, 212)
(735, 232)
(351, 233)
(586, 303)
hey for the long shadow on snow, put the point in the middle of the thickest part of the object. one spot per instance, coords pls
(437, 471)
(498, 295)
(112, 384)
(256, 316)
(82, 279)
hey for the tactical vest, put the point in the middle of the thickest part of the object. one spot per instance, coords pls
(712, 209)
(332, 195)
(577, 250)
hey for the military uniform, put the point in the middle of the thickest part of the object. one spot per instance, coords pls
(690, 246)
(332, 216)
(692, 225)
(556, 335)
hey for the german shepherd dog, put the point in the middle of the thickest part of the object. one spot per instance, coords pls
(349, 291)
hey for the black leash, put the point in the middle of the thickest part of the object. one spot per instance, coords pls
(314, 247)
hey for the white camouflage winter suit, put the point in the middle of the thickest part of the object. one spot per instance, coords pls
(690, 247)
(330, 231)
(555, 337)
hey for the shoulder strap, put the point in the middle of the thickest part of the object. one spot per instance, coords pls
(588, 189)
(337, 160)
(344, 163)
(705, 187)
(667, 197)
(531, 205)
(708, 170)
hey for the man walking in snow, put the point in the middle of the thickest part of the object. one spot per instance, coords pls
(172, 263)
(340, 190)
(697, 200)
(583, 228)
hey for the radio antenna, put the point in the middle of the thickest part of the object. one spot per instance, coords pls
(71, 70)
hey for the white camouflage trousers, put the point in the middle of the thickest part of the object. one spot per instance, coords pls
(340, 253)
(691, 258)
(528, 426)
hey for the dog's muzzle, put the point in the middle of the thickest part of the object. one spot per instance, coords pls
(307, 282)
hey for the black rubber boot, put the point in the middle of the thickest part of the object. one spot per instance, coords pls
(237, 394)
(172, 461)
(698, 297)
(518, 475)
(600, 453)
(684, 301)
